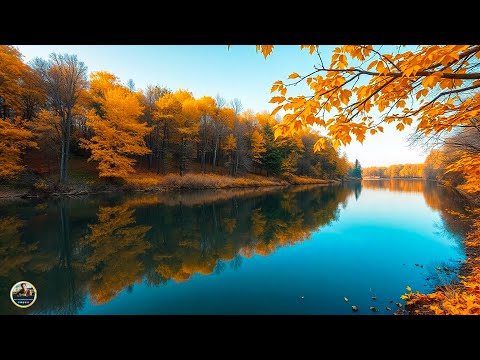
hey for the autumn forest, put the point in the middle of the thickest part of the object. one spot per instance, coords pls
(58, 122)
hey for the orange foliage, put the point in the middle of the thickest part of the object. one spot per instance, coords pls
(395, 171)
(462, 299)
(12, 71)
(118, 133)
(15, 138)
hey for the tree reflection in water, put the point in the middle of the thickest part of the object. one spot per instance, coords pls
(98, 246)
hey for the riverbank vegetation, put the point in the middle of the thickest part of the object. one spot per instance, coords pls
(56, 120)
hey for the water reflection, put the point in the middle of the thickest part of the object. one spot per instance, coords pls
(72, 248)
(88, 250)
(439, 198)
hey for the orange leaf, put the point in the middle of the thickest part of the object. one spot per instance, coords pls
(277, 99)
(294, 75)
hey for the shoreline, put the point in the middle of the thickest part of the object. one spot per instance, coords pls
(454, 293)
(73, 192)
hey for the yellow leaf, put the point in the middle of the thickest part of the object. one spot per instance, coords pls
(380, 128)
(274, 112)
(372, 64)
(277, 99)
(277, 132)
(409, 288)
(266, 49)
(294, 75)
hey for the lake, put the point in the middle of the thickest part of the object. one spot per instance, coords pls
(296, 250)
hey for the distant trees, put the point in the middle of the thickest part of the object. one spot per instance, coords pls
(395, 171)
(356, 171)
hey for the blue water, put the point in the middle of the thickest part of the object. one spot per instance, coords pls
(358, 242)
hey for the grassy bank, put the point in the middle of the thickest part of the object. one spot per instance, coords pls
(211, 181)
(83, 179)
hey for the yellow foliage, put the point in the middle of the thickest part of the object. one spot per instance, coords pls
(118, 132)
(115, 246)
(342, 107)
(15, 138)
(258, 146)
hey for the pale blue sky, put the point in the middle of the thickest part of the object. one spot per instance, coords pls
(238, 72)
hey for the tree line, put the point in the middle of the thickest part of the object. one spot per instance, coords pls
(395, 171)
(52, 108)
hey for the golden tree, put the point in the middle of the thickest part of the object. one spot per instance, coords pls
(168, 107)
(115, 121)
(12, 70)
(15, 138)
(258, 147)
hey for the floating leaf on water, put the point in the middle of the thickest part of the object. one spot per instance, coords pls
(409, 288)
(387, 308)
(398, 304)
(346, 299)
(374, 298)
(390, 301)
(399, 312)
(302, 297)
(373, 308)
(354, 308)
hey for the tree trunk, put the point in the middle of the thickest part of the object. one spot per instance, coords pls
(65, 146)
(215, 153)
(62, 156)
(236, 163)
(182, 157)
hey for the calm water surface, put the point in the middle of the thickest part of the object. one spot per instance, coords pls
(299, 250)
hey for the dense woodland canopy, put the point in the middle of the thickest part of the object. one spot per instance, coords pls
(54, 112)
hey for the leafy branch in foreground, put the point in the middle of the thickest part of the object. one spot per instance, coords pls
(435, 86)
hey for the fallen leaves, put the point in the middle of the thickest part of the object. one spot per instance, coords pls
(455, 299)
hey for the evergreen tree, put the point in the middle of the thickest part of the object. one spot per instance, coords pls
(272, 159)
